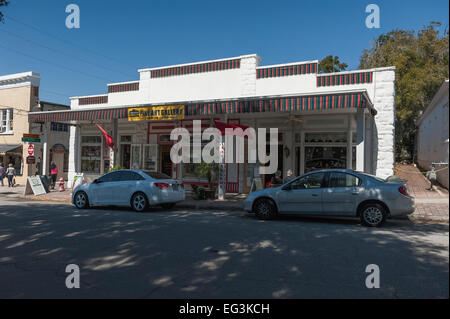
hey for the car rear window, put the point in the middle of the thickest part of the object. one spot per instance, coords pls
(157, 175)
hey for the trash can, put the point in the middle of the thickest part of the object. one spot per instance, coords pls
(45, 182)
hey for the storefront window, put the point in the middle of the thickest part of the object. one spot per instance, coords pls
(150, 157)
(190, 169)
(318, 157)
(320, 153)
(125, 139)
(16, 159)
(331, 137)
(91, 150)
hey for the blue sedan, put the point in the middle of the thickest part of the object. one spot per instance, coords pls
(334, 192)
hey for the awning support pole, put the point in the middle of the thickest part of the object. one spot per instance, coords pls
(44, 149)
(360, 139)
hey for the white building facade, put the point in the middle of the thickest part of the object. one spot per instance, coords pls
(432, 135)
(343, 119)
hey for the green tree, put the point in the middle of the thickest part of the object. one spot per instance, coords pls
(3, 3)
(421, 60)
(331, 64)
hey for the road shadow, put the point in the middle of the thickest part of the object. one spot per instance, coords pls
(196, 254)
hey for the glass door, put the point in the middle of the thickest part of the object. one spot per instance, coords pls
(136, 156)
(150, 157)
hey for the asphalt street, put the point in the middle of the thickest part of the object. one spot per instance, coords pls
(213, 254)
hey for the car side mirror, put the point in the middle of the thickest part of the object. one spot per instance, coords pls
(96, 181)
(287, 187)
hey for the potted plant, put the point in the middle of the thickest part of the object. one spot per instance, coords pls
(210, 172)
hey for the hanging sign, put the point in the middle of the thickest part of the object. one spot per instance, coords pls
(31, 159)
(58, 148)
(165, 112)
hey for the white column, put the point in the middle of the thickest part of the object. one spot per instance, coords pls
(74, 154)
(222, 174)
(360, 137)
(115, 126)
(302, 152)
(44, 149)
(368, 146)
(290, 141)
(349, 142)
(384, 125)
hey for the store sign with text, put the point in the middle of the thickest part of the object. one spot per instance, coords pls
(165, 112)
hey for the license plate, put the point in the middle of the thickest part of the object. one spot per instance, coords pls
(175, 187)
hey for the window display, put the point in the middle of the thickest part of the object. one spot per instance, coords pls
(91, 150)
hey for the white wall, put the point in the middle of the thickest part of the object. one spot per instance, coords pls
(384, 137)
(432, 138)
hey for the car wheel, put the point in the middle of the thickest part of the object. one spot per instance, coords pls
(168, 205)
(139, 202)
(265, 209)
(81, 200)
(373, 215)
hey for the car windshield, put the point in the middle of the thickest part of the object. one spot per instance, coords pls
(157, 175)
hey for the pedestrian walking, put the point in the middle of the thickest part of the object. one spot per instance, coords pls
(53, 174)
(10, 173)
(2, 173)
(431, 175)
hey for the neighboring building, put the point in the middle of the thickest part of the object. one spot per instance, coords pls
(432, 135)
(341, 119)
(57, 141)
(19, 94)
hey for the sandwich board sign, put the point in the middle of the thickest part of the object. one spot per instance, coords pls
(77, 181)
(36, 185)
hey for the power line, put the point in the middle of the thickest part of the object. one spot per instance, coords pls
(56, 93)
(62, 52)
(66, 41)
(57, 65)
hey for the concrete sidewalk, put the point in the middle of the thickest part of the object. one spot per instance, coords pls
(231, 202)
(431, 205)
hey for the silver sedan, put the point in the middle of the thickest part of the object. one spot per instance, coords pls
(136, 188)
(335, 192)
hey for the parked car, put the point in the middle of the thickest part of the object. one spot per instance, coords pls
(136, 188)
(334, 192)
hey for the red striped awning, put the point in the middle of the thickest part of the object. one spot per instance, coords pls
(259, 105)
(82, 115)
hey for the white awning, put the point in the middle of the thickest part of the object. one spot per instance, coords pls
(4, 148)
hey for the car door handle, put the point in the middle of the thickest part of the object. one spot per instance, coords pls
(315, 195)
(355, 193)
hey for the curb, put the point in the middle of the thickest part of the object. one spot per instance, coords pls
(212, 206)
(42, 199)
(217, 206)
(429, 220)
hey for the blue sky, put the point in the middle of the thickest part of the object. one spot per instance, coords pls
(118, 37)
